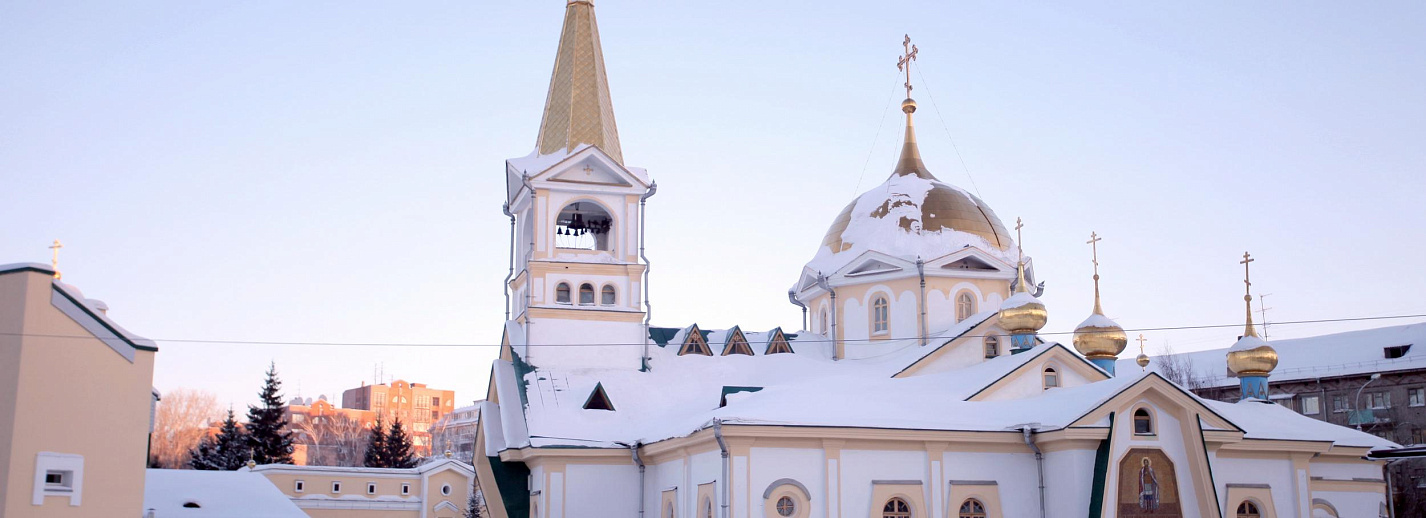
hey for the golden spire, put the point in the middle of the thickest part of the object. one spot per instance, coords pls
(1248, 294)
(910, 160)
(54, 257)
(578, 109)
(1022, 312)
(1093, 243)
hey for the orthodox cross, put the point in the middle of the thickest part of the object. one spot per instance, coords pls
(1093, 243)
(903, 62)
(1247, 258)
(1018, 246)
(1248, 293)
(54, 257)
(1141, 342)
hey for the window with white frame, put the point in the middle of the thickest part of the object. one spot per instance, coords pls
(1416, 396)
(1311, 405)
(992, 346)
(965, 306)
(1052, 378)
(1143, 422)
(405, 489)
(446, 489)
(58, 474)
(299, 486)
(1378, 400)
(371, 488)
(880, 315)
(336, 487)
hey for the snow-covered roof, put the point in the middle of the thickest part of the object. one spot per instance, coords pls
(216, 494)
(1340, 354)
(1262, 420)
(910, 216)
(91, 313)
(426, 467)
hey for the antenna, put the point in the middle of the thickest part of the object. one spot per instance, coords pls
(1263, 310)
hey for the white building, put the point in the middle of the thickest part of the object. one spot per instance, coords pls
(921, 389)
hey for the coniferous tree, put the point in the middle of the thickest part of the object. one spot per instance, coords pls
(475, 508)
(376, 447)
(229, 450)
(398, 447)
(267, 427)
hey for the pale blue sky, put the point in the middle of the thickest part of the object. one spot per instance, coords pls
(332, 171)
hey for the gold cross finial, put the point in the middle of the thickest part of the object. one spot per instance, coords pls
(1248, 293)
(54, 257)
(903, 62)
(1019, 224)
(1093, 243)
(1141, 342)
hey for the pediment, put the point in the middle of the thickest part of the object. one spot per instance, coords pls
(1155, 386)
(969, 263)
(1057, 356)
(591, 175)
(589, 166)
(874, 263)
(873, 266)
(969, 260)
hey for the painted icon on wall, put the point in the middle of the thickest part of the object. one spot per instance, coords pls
(1148, 486)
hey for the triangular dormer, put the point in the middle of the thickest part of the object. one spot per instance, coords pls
(777, 342)
(872, 267)
(736, 343)
(598, 400)
(694, 342)
(969, 263)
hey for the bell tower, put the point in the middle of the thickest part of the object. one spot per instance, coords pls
(577, 272)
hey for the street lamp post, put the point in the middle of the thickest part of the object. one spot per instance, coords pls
(1358, 403)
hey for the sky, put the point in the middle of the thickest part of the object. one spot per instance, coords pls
(332, 172)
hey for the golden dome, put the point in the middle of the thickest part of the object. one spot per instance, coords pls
(1252, 356)
(1100, 341)
(1142, 360)
(1022, 312)
(944, 207)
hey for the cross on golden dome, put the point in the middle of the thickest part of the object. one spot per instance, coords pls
(54, 257)
(903, 62)
(1248, 293)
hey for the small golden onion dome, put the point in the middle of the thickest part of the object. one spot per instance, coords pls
(1022, 312)
(1099, 338)
(1142, 360)
(1252, 356)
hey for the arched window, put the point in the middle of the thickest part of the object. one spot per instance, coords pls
(992, 346)
(896, 508)
(880, 315)
(972, 508)
(1248, 509)
(1143, 423)
(586, 294)
(562, 293)
(965, 306)
(822, 325)
(1052, 378)
(786, 506)
(583, 225)
(606, 296)
(707, 508)
(668, 510)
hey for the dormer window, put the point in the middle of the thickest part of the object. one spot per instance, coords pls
(1052, 378)
(562, 293)
(694, 343)
(586, 294)
(992, 346)
(583, 226)
(737, 343)
(1392, 353)
(1143, 422)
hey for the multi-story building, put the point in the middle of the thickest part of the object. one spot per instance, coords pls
(416, 405)
(326, 435)
(76, 402)
(1372, 380)
(455, 432)
(439, 488)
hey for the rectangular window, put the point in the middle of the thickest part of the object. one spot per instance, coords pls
(1311, 405)
(1379, 400)
(57, 480)
(1417, 396)
(58, 474)
(1338, 405)
(435, 401)
(299, 486)
(435, 414)
(336, 487)
(371, 488)
(405, 489)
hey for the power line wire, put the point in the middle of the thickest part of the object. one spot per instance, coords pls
(801, 340)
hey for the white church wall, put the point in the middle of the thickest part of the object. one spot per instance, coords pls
(854, 324)
(968, 352)
(1276, 473)
(1350, 504)
(905, 316)
(1168, 437)
(940, 313)
(805, 466)
(612, 490)
(859, 468)
(1030, 382)
(552, 341)
(1066, 496)
(1015, 476)
(1343, 471)
(702, 468)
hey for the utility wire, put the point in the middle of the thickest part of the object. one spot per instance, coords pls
(946, 127)
(857, 190)
(800, 340)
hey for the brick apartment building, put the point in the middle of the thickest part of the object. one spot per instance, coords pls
(417, 406)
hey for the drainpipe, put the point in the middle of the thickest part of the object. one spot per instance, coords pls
(722, 447)
(648, 309)
(921, 272)
(506, 209)
(1039, 464)
(634, 451)
(792, 297)
(836, 342)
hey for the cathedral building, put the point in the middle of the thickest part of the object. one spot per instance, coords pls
(919, 388)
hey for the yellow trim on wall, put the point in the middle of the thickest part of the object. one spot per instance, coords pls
(913, 494)
(1260, 496)
(987, 494)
